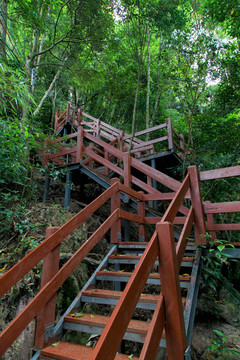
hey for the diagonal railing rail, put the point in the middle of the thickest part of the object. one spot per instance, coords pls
(112, 159)
(169, 310)
(168, 136)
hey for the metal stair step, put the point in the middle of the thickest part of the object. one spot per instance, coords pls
(70, 351)
(154, 279)
(133, 245)
(110, 297)
(133, 259)
(94, 324)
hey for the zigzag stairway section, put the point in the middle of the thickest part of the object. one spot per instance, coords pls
(147, 288)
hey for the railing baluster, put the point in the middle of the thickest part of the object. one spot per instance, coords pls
(115, 204)
(197, 204)
(211, 223)
(127, 169)
(170, 134)
(141, 212)
(46, 316)
(175, 329)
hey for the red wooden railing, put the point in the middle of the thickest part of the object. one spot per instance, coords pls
(168, 312)
(107, 132)
(102, 153)
(43, 304)
(211, 209)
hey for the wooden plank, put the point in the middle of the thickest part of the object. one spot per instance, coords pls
(158, 196)
(63, 138)
(210, 221)
(156, 175)
(116, 205)
(178, 220)
(142, 233)
(127, 169)
(113, 332)
(224, 207)
(170, 135)
(220, 173)
(136, 194)
(14, 329)
(16, 273)
(152, 129)
(103, 161)
(173, 208)
(154, 334)
(143, 148)
(62, 153)
(111, 127)
(182, 241)
(46, 316)
(70, 351)
(112, 150)
(132, 217)
(89, 116)
(222, 227)
(197, 204)
(150, 142)
(175, 329)
(175, 132)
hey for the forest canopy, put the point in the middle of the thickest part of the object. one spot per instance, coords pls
(130, 63)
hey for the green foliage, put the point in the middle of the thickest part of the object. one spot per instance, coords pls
(212, 270)
(220, 349)
(13, 92)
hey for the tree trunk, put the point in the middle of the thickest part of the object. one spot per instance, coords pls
(135, 106)
(36, 112)
(148, 82)
(3, 27)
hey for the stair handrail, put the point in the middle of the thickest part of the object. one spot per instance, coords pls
(210, 209)
(49, 246)
(159, 245)
(17, 272)
(109, 132)
(144, 168)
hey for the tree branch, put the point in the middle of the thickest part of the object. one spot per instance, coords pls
(53, 45)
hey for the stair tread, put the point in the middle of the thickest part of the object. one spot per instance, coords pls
(70, 351)
(137, 257)
(140, 243)
(148, 298)
(134, 326)
(129, 274)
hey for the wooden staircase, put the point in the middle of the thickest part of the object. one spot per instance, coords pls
(104, 289)
(143, 294)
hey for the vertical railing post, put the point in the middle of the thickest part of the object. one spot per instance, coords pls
(175, 329)
(78, 117)
(46, 316)
(68, 188)
(142, 227)
(197, 204)
(150, 182)
(91, 159)
(127, 169)
(56, 122)
(79, 154)
(210, 222)
(182, 145)
(98, 123)
(106, 156)
(170, 134)
(115, 204)
(68, 112)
